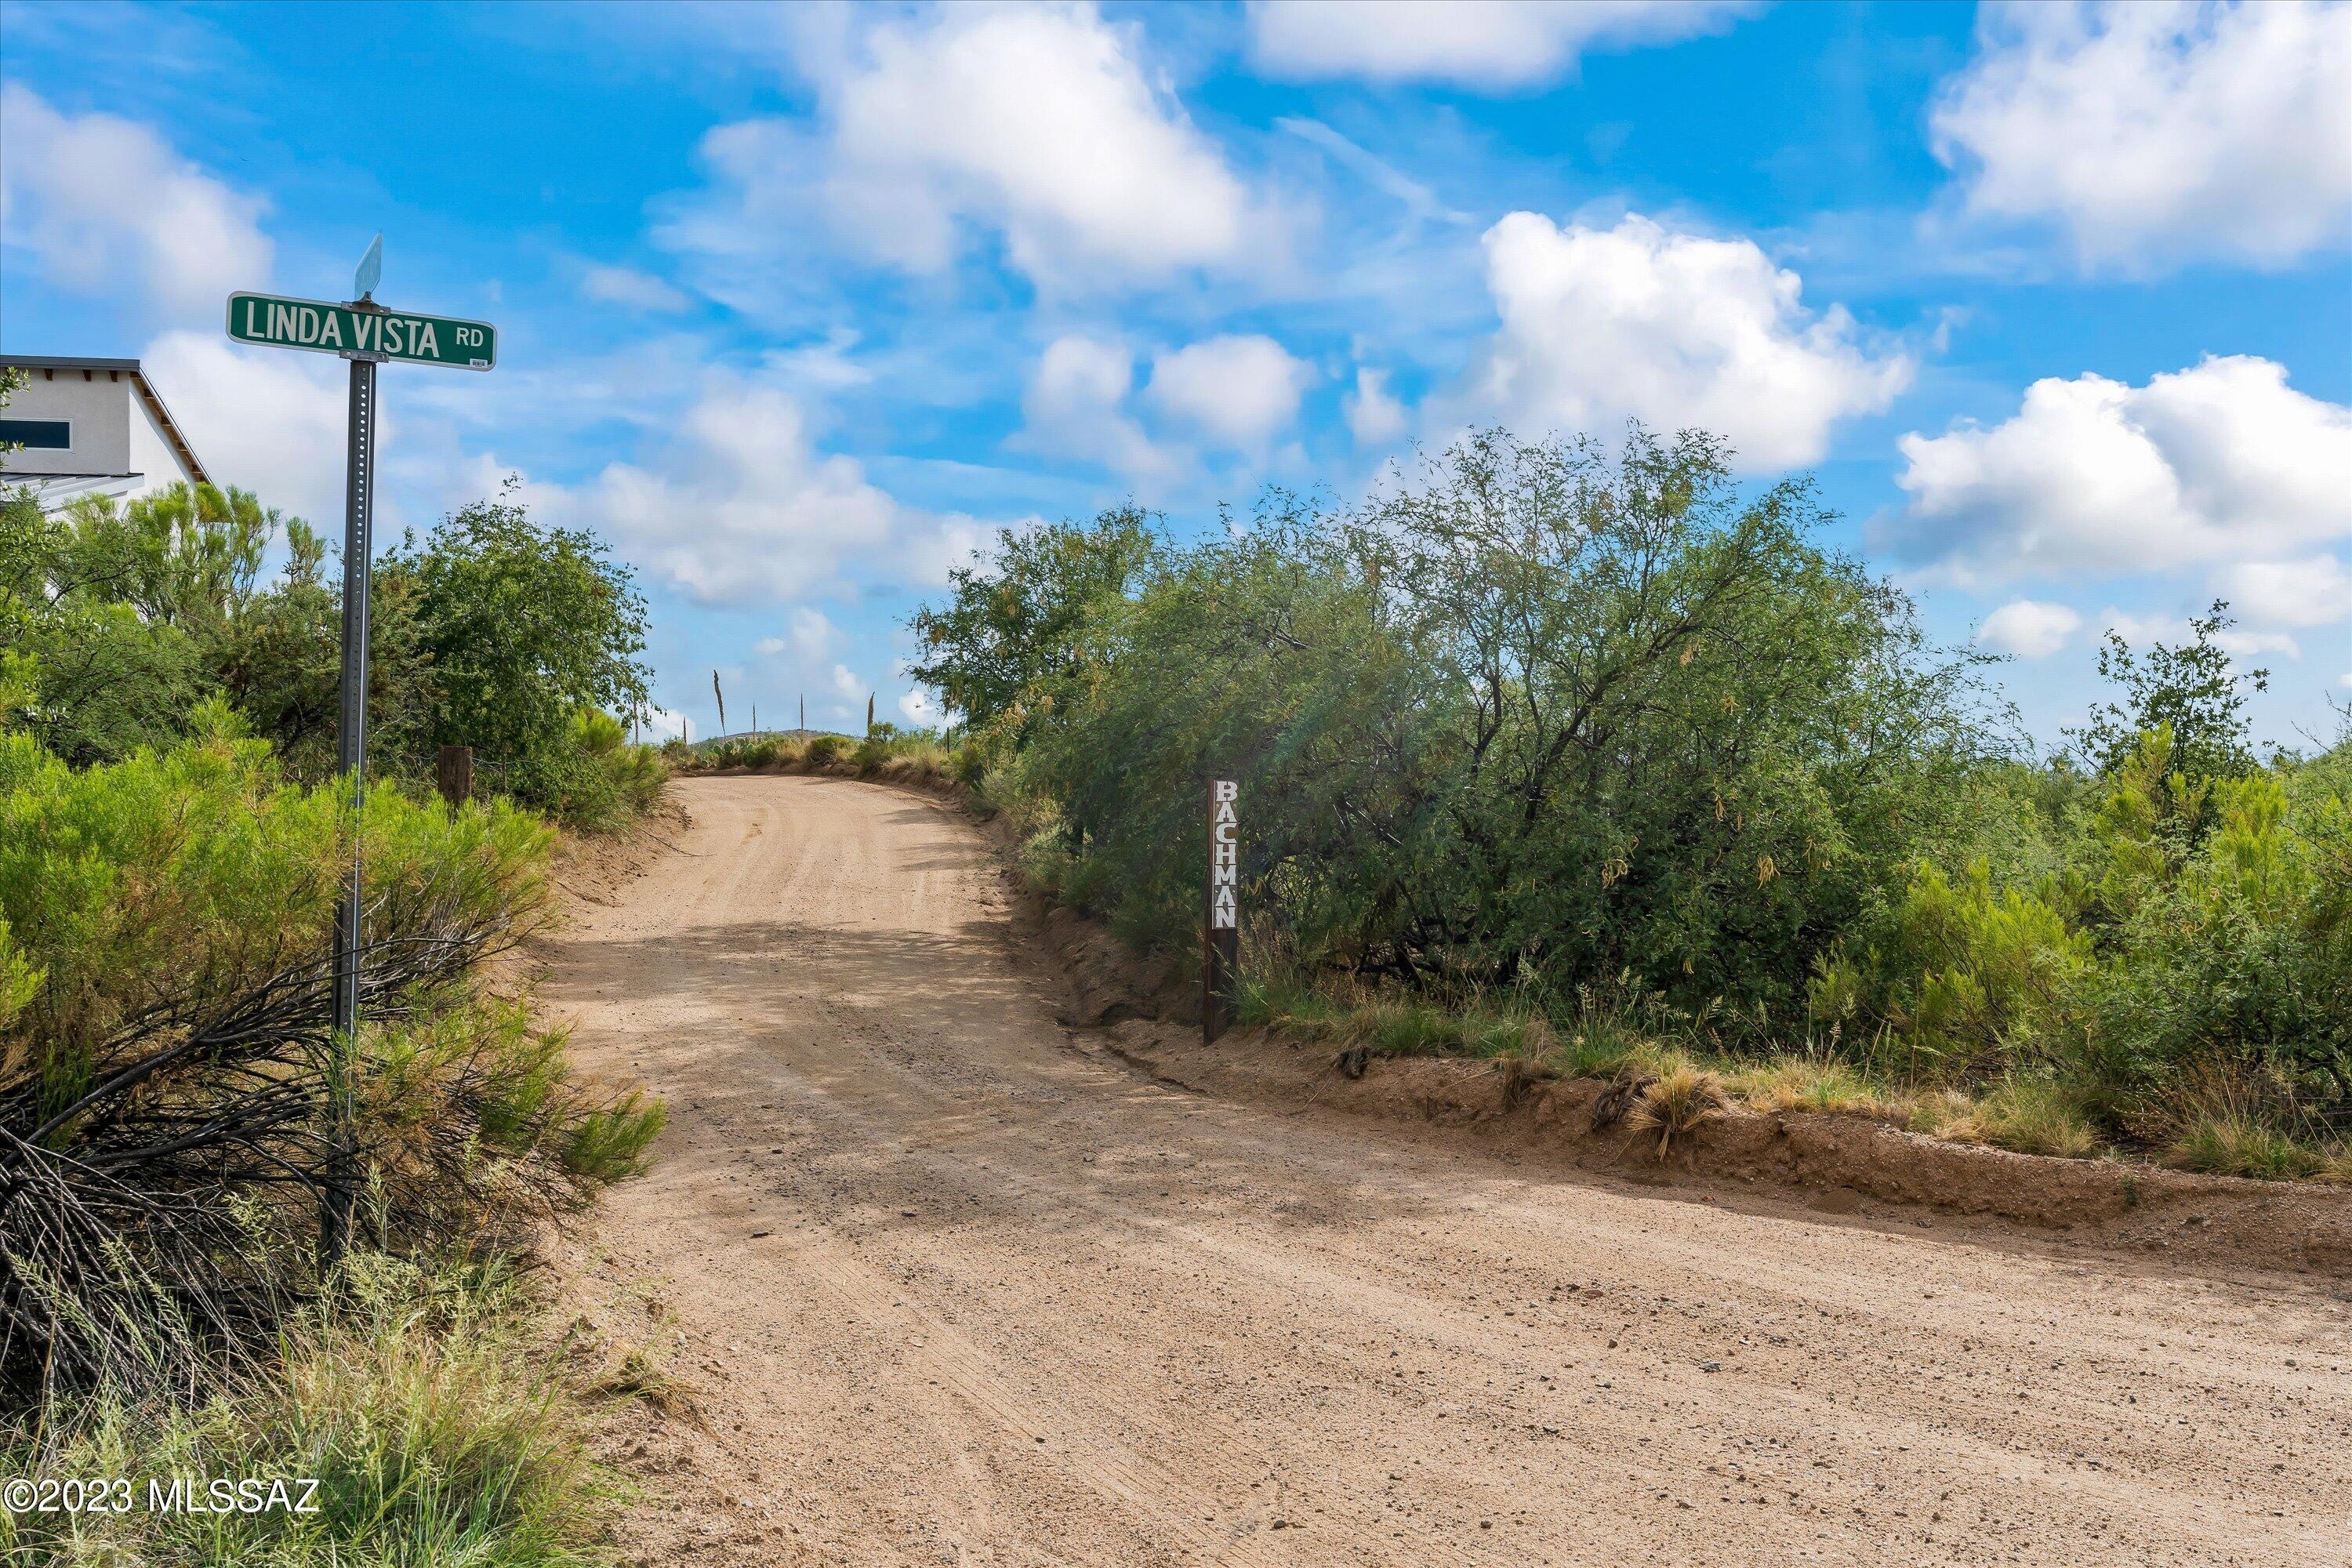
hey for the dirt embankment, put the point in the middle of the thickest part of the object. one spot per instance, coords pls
(940, 1277)
(1152, 1015)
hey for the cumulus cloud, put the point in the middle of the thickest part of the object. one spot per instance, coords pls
(743, 507)
(2223, 463)
(950, 539)
(2243, 644)
(1491, 44)
(1075, 406)
(811, 638)
(1239, 391)
(661, 723)
(2311, 593)
(2159, 132)
(1374, 415)
(1038, 127)
(1676, 330)
(628, 287)
(2029, 628)
(920, 709)
(104, 205)
(812, 633)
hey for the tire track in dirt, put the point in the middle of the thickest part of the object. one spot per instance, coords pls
(983, 1229)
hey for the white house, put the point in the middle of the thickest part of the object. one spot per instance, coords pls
(91, 427)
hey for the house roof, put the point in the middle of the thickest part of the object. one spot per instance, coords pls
(50, 365)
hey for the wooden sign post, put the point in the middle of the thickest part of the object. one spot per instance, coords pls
(1221, 927)
(453, 770)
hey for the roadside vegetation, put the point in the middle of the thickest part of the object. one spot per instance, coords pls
(1598, 764)
(173, 840)
(895, 756)
(494, 632)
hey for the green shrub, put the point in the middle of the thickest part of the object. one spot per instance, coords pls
(528, 627)
(496, 633)
(1967, 981)
(1507, 726)
(166, 1062)
(1609, 736)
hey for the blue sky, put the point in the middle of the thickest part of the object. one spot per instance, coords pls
(798, 304)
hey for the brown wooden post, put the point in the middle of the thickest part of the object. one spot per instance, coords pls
(453, 770)
(1221, 932)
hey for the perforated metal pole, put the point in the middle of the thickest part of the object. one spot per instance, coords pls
(350, 759)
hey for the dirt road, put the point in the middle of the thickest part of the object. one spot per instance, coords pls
(950, 1285)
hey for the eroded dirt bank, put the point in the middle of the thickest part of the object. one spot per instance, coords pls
(947, 1282)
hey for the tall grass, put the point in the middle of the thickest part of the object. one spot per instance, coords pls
(417, 1398)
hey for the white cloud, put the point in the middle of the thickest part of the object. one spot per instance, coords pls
(1039, 125)
(2244, 647)
(846, 682)
(2221, 464)
(266, 420)
(1472, 43)
(742, 507)
(808, 648)
(920, 709)
(2160, 132)
(104, 205)
(1676, 330)
(627, 286)
(826, 366)
(2029, 628)
(813, 633)
(1074, 404)
(662, 724)
(2241, 643)
(1375, 417)
(1241, 390)
(953, 539)
(2135, 628)
(2312, 593)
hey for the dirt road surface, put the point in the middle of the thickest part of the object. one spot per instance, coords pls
(944, 1282)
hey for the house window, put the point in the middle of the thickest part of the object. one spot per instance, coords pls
(39, 435)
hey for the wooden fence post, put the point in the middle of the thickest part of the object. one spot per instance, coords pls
(1221, 918)
(453, 770)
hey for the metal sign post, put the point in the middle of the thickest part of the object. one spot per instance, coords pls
(1220, 921)
(351, 760)
(367, 335)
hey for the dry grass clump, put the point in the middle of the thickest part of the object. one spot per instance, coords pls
(2233, 1144)
(923, 764)
(1678, 1104)
(1387, 1024)
(2026, 1116)
(1808, 1083)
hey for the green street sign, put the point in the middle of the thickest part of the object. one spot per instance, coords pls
(372, 334)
